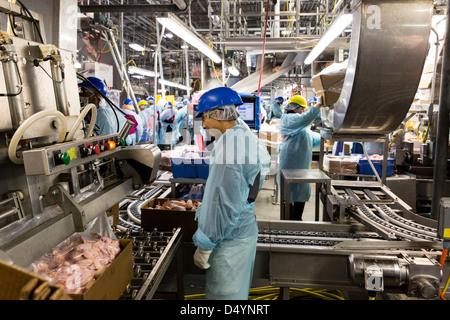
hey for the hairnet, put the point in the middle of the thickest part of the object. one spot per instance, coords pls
(227, 113)
(291, 107)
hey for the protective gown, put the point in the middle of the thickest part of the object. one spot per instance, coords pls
(296, 148)
(106, 121)
(147, 115)
(180, 123)
(275, 111)
(167, 118)
(226, 220)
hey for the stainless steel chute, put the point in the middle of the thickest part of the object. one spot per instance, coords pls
(387, 54)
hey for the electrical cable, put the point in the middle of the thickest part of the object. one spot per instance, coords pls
(32, 20)
(264, 45)
(272, 293)
(20, 85)
(11, 21)
(113, 106)
(115, 41)
(100, 46)
(442, 262)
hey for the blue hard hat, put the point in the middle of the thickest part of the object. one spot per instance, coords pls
(150, 99)
(280, 98)
(185, 101)
(99, 84)
(128, 101)
(216, 98)
(168, 104)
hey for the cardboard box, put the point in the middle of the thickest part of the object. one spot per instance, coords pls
(112, 215)
(17, 283)
(114, 280)
(341, 164)
(271, 140)
(326, 82)
(329, 98)
(168, 219)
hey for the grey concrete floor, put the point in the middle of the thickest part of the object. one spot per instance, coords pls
(267, 210)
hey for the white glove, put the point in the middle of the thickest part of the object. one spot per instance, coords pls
(201, 258)
(319, 100)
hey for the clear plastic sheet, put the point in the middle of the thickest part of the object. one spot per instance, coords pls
(77, 261)
(20, 227)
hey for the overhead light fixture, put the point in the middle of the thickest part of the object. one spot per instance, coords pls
(173, 84)
(136, 47)
(171, 22)
(233, 71)
(142, 72)
(332, 32)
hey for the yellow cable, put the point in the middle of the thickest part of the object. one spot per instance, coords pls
(115, 41)
(214, 68)
(272, 293)
(131, 61)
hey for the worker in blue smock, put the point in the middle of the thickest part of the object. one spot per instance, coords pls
(181, 122)
(146, 113)
(296, 148)
(275, 109)
(227, 229)
(138, 128)
(167, 118)
(107, 118)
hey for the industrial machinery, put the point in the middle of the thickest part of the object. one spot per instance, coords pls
(373, 242)
(57, 176)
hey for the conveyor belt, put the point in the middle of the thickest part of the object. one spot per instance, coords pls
(389, 224)
(310, 238)
(152, 253)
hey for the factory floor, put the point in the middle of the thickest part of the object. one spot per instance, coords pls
(194, 284)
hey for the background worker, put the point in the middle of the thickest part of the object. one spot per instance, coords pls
(167, 118)
(180, 122)
(146, 113)
(296, 148)
(275, 109)
(138, 128)
(107, 118)
(227, 229)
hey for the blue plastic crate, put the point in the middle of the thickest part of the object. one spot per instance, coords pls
(365, 168)
(183, 168)
(203, 167)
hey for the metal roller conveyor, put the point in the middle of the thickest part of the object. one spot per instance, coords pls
(390, 228)
(311, 238)
(389, 214)
(153, 252)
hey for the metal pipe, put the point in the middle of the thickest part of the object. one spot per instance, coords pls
(57, 70)
(142, 9)
(13, 84)
(124, 72)
(441, 156)
(433, 82)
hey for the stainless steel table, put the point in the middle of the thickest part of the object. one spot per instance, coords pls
(288, 176)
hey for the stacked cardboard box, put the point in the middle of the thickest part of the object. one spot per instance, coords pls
(328, 83)
(341, 164)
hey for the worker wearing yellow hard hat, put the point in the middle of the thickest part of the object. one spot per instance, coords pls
(296, 149)
(299, 100)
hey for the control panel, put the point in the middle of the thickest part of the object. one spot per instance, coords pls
(61, 157)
